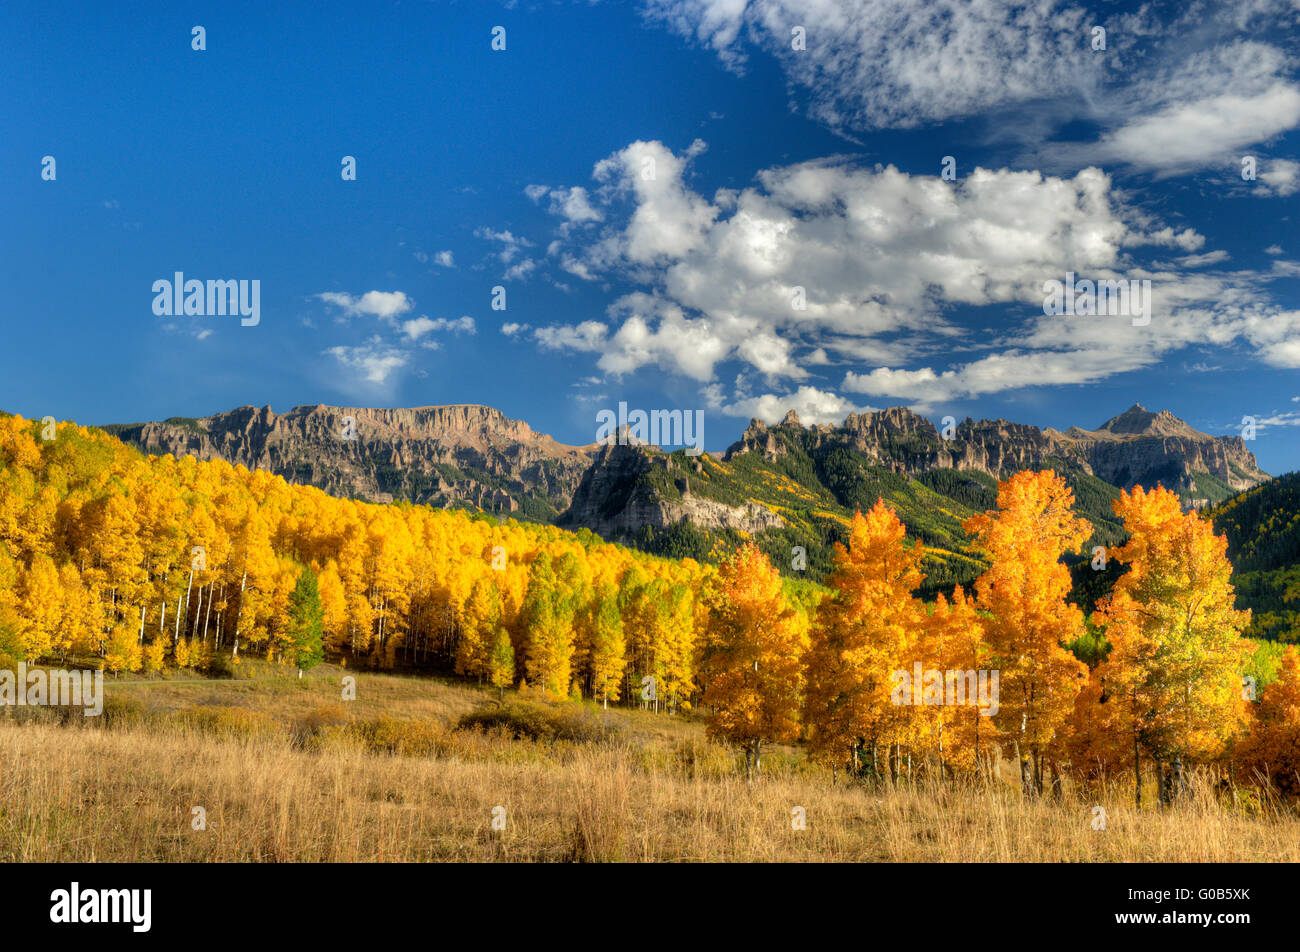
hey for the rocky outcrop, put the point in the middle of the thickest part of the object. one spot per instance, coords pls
(628, 487)
(465, 455)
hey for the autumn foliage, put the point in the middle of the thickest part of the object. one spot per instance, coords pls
(135, 563)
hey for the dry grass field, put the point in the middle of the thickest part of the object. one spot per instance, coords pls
(284, 771)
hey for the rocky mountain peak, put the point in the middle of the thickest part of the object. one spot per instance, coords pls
(1139, 421)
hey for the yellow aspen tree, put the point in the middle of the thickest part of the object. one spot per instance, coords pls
(334, 606)
(548, 618)
(154, 654)
(122, 650)
(751, 664)
(40, 601)
(481, 619)
(608, 646)
(1177, 655)
(1024, 592)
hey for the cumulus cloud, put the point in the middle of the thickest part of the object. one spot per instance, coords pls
(571, 204)
(373, 361)
(813, 407)
(422, 326)
(386, 305)
(1280, 177)
(829, 262)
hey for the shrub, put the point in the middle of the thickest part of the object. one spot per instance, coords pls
(393, 735)
(308, 728)
(229, 721)
(538, 721)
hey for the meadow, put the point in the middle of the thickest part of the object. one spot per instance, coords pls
(284, 770)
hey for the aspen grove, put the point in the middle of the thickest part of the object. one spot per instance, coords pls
(125, 562)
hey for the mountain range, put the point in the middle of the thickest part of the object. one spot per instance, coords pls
(787, 485)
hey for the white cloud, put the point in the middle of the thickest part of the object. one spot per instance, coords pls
(1279, 419)
(879, 259)
(813, 407)
(1178, 87)
(1273, 250)
(373, 361)
(511, 329)
(511, 253)
(669, 220)
(421, 326)
(571, 204)
(444, 259)
(1281, 177)
(897, 63)
(1204, 110)
(385, 305)
(1200, 261)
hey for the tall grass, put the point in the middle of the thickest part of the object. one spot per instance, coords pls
(128, 794)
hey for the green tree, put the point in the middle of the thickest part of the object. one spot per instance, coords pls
(306, 623)
(501, 663)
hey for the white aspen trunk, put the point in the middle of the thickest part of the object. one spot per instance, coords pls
(141, 624)
(239, 618)
(162, 613)
(189, 586)
(208, 617)
(198, 613)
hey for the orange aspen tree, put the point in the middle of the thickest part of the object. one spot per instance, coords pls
(1272, 749)
(1024, 592)
(951, 642)
(751, 664)
(864, 632)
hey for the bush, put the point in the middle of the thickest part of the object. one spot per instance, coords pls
(229, 722)
(408, 738)
(308, 729)
(123, 712)
(219, 666)
(533, 720)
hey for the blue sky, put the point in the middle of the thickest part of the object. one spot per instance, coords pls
(653, 183)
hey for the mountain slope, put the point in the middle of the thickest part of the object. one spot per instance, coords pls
(1263, 530)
